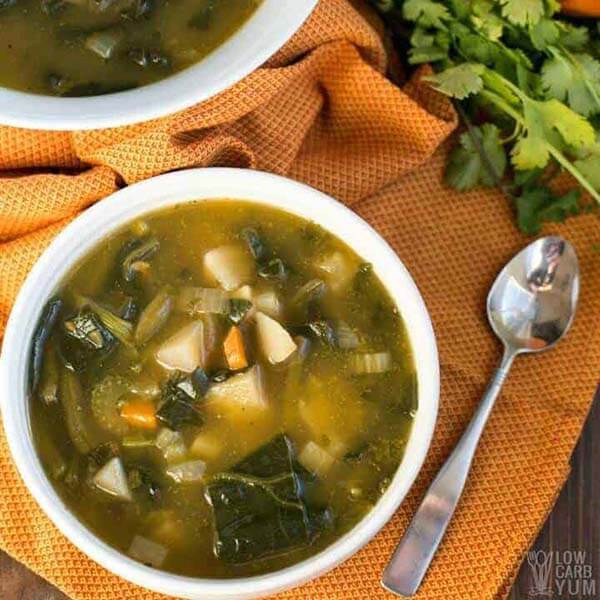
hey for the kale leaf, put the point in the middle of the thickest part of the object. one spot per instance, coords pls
(259, 506)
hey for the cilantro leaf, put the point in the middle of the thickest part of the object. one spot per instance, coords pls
(466, 168)
(575, 129)
(530, 152)
(589, 166)
(572, 37)
(523, 12)
(426, 13)
(458, 82)
(428, 47)
(485, 19)
(575, 79)
(538, 205)
(543, 119)
(544, 33)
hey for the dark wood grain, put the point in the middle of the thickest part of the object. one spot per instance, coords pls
(574, 525)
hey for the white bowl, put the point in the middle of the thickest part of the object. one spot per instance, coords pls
(267, 30)
(99, 221)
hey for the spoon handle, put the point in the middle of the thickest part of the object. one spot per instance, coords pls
(408, 566)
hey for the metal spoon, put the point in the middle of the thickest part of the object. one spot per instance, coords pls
(530, 307)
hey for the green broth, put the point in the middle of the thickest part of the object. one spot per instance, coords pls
(319, 398)
(92, 47)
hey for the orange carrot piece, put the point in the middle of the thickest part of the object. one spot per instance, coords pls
(233, 347)
(582, 8)
(140, 414)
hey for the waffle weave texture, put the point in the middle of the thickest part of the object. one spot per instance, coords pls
(321, 111)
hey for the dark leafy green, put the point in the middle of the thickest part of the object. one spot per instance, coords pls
(320, 330)
(274, 268)
(238, 308)
(179, 404)
(269, 265)
(259, 508)
(87, 328)
(85, 339)
(134, 252)
(539, 205)
(255, 243)
(40, 337)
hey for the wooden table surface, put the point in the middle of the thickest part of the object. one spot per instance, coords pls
(573, 525)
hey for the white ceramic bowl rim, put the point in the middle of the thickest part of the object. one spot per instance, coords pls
(254, 43)
(84, 233)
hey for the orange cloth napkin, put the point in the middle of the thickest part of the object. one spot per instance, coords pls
(321, 111)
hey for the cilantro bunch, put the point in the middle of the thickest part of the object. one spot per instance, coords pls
(526, 82)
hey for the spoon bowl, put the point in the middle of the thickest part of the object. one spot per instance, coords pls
(532, 302)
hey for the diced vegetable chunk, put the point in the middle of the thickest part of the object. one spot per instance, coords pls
(197, 300)
(140, 414)
(71, 398)
(184, 351)
(103, 43)
(336, 269)
(264, 299)
(147, 552)
(267, 301)
(154, 317)
(347, 338)
(376, 362)
(238, 397)
(49, 379)
(314, 458)
(188, 472)
(106, 403)
(235, 352)
(230, 266)
(171, 444)
(244, 293)
(112, 479)
(276, 343)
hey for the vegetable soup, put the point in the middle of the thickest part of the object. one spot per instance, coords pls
(93, 47)
(221, 389)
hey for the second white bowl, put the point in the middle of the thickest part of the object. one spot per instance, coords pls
(266, 31)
